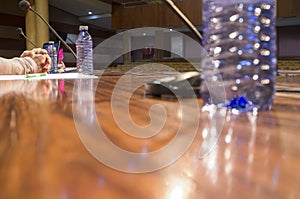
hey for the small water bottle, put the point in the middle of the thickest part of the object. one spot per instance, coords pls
(240, 37)
(52, 51)
(84, 51)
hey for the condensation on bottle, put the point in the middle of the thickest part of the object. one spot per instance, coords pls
(84, 51)
(240, 37)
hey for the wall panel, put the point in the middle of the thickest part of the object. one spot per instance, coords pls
(158, 15)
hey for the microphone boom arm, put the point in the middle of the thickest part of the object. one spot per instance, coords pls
(21, 33)
(184, 18)
(55, 33)
(29, 41)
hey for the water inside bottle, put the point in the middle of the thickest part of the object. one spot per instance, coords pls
(240, 39)
(84, 51)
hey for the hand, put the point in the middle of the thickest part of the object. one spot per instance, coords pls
(61, 65)
(41, 58)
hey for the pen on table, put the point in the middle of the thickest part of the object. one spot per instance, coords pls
(35, 75)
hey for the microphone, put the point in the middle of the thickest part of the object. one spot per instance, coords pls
(184, 18)
(25, 5)
(21, 33)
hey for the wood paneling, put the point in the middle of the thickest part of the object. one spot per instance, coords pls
(11, 20)
(124, 18)
(296, 7)
(191, 8)
(157, 15)
(284, 7)
(288, 41)
(288, 8)
(12, 44)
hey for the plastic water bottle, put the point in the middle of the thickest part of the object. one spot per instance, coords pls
(51, 49)
(84, 51)
(240, 37)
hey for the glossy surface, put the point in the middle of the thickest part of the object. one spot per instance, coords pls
(42, 155)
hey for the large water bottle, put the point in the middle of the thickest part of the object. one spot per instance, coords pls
(84, 51)
(240, 37)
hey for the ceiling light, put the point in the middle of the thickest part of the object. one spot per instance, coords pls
(90, 12)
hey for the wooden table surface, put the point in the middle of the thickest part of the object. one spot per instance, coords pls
(47, 149)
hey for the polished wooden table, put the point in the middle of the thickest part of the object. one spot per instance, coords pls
(48, 152)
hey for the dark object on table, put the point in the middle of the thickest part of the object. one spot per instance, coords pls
(184, 85)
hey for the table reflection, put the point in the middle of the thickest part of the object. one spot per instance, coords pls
(248, 147)
(250, 155)
(33, 90)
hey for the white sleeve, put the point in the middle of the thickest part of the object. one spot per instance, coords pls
(17, 66)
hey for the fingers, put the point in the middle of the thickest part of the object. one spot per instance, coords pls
(39, 51)
(61, 65)
(47, 65)
(43, 62)
(31, 53)
(27, 53)
(46, 69)
(41, 58)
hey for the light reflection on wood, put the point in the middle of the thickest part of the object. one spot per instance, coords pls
(42, 156)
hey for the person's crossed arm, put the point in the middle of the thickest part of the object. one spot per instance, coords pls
(30, 61)
(41, 58)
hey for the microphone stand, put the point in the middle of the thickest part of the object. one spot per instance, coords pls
(184, 18)
(55, 33)
(29, 41)
(21, 33)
